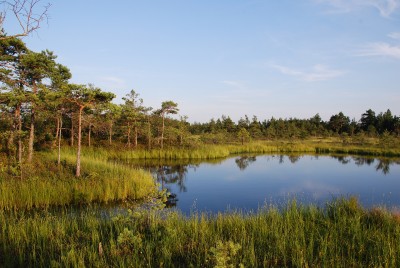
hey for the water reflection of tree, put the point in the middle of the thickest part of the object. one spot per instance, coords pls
(169, 175)
(168, 172)
(359, 161)
(294, 158)
(342, 159)
(172, 175)
(384, 165)
(244, 161)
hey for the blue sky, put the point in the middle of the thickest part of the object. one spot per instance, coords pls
(286, 58)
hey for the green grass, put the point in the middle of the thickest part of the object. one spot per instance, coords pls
(44, 184)
(314, 146)
(341, 234)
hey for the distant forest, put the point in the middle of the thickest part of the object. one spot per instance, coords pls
(370, 124)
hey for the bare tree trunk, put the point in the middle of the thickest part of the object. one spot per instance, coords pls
(149, 135)
(57, 130)
(59, 142)
(32, 130)
(162, 132)
(19, 127)
(31, 137)
(136, 137)
(90, 131)
(129, 136)
(10, 154)
(72, 132)
(78, 154)
(110, 134)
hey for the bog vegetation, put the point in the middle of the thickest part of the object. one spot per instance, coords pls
(339, 234)
(61, 144)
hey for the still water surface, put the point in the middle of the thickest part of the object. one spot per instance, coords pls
(249, 182)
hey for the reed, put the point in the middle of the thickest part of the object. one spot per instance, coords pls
(340, 234)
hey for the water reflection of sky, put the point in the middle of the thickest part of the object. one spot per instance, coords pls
(247, 182)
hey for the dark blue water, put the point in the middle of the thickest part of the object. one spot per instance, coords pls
(250, 182)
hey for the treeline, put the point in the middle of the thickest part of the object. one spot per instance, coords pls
(369, 125)
(41, 109)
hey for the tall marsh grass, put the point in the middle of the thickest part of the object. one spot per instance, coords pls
(260, 147)
(44, 184)
(340, 234)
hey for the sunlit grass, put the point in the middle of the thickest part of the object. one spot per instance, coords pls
(339, 234)
(44, 184)
(207, 151)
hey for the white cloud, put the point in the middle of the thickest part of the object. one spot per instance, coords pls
(395, 35)
(385, 7)
(232, 83)
(317, 73)
(381, 49)
(237, 86)
(116, 81)
(317, 190)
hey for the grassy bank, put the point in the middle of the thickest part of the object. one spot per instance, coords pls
(333, 145)
(340, 234)
(43, 184)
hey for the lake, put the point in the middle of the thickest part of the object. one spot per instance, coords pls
(249, 182)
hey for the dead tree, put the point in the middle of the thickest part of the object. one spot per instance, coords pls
(28, 14)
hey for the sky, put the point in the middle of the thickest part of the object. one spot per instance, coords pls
(269, 58)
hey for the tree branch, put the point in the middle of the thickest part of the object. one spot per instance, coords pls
(24, 13)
